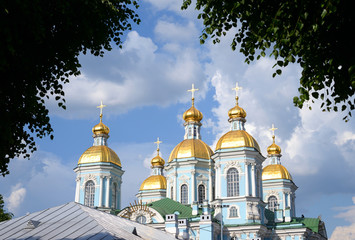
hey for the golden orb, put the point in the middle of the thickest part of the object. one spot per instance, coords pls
(157, 161)
(192, 115)
(237, 112)
(275, 171)
(191, 148)
(154, 182)
(100, 153)
(274, 149)
(100, 128)
(236, 139)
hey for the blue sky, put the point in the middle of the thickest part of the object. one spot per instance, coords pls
(144, 87)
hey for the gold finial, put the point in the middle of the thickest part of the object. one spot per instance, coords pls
(272, 129)
(101, 106)
(236, 89)
(158, 143)
(193, 90)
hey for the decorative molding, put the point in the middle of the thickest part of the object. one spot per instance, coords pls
(201, 177)
(270, 193)
(232, 164)
(89, 177)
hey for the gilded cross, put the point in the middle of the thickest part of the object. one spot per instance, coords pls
(158, 143)
(236, 89)
(193, 90)
(101, 107)
(272, 129)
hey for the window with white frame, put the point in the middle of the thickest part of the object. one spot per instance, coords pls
(232, 182)
(233, 211)
(258, 190)
(201, 193)
(184, 197)
(114, 196)
(89, 193)
(272, 203)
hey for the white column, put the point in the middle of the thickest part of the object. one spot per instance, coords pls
(175, 185)
(253, 180)
(246, 179)
(193, 187)
(108, 191)
(101, 190)
(77, 190)
(210, 186)
(284, 200)
(289, 199)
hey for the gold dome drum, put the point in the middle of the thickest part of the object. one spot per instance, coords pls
(100, 128)
(154, 182)
(96, 154)
(274, 149)
(192, 115)
(237, 112)
(157, 161)
(275, 171)
(191, 148)
(236, 139)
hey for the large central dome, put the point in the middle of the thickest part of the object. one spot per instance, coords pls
(101, 153)
(236, 139)
(191, 148)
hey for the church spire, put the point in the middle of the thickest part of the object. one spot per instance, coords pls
(100, 130)
(192, 118)
(274, 151)
(237, 114)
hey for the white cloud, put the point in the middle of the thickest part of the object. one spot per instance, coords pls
(174, 32)
(16, 197)
(345, 232)
(138, 75)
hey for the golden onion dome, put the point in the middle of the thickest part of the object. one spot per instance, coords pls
(274, 149)
(275, 171)
(237, 112)
(157, 161)
(191, 148)
(100, 153)
(154, 182)
(192, 115)
(100, 128)
(236, 139)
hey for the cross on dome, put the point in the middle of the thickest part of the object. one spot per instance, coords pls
(237, 89)
(158, 143)
(272, 129)
(193, 90)
(101, 106)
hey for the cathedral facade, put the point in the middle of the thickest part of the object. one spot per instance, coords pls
(200, 193)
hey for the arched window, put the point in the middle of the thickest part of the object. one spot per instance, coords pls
(272, 203)
(184, 198)
(233, 212)
(201, 193)
(232, 182)
(89, 193)
(195, 131)
(190, 132)
(172, 192)
(141, 219)
(114, 196)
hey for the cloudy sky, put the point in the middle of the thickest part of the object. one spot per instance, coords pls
(144, 87)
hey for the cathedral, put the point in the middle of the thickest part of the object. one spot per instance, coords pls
(200, 193)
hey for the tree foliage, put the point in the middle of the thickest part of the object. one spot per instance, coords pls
(318, 35)
(4, 215)
(40, 41)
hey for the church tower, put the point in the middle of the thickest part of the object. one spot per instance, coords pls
(238, 166)
(189, 169)
(279, 189)
(154, 187)
(99, 172)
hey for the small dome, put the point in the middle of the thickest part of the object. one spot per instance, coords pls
(274, 149)
(192, 115)
(275, 171)
(191, 148)
(157, 161)
(100, 128)
(153, 183)
(100, 153)
(237, 112)
(236, 139)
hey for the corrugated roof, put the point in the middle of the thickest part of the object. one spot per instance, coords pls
(72, 221)
(168, 206)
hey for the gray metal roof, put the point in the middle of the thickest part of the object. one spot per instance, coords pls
(76, 221)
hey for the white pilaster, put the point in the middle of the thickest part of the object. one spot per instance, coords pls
(289, 199)
(77, 190)
(193, 187)
(284, 200)
(210, 186)
(101, 190)
(108, 191)
(175, 185)
(246, 179)
(253, 193)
